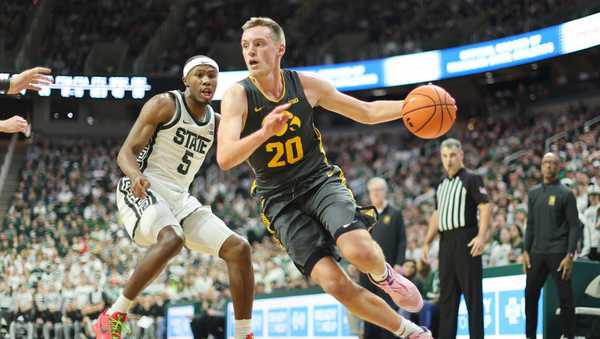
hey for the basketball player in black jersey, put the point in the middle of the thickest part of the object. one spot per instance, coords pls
(267, 120)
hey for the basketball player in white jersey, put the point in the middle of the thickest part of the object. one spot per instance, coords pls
(160, 157)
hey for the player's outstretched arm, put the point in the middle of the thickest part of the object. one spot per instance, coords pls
(159, 109)
(322, 93)
(231, 149)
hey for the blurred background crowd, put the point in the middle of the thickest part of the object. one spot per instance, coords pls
(65, 249)
(65, 254)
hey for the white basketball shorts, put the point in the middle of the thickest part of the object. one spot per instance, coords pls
(145, 218)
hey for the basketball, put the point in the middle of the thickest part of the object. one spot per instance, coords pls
(429, 111)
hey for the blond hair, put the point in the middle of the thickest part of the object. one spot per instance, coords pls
(451, 143)
(276, 31)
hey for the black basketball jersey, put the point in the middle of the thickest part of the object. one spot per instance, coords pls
(296, 150)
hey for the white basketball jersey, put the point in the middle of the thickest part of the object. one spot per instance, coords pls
(178, 148)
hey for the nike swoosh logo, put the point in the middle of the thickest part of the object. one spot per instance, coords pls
(188, 122)
(258, 109)
(353, 221)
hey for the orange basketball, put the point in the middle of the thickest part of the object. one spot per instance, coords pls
(429, 111)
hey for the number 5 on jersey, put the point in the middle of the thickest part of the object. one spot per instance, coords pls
(291, 149)
(186, 161)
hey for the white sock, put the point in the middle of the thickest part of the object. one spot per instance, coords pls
(243, 327)
(380, 277)
(407, 328)
(122, 305)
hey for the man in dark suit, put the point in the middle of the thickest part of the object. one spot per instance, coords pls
(390, 234)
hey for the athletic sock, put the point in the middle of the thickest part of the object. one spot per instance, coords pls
(407, 328)
(243, 327)
(122, 305)
(382, 277)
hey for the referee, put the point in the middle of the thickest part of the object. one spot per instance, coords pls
(553, 229)
(390, 234)
(458, 199)
(30, 79)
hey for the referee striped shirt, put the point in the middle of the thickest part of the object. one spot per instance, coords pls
(457, 198)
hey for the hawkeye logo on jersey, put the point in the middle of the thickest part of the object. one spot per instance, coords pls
(191, 140)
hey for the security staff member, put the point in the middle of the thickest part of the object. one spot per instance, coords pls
(553, 229)
(30, 79)
(458, 199)
(390, 234)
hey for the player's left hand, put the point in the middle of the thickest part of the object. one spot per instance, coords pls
(30, 79)
(566, 266)
(477, 245)
(14, 124)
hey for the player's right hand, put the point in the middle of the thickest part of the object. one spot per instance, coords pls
(276, 120)
(139, 186)
(526, 262)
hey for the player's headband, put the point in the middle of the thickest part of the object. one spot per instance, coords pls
(201, 60)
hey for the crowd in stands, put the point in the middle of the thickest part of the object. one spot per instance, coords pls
(65, 255)
(221, 23)
(13, 20)
(318, 32)
(77, 25)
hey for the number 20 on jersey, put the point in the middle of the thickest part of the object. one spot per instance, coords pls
(285, 153)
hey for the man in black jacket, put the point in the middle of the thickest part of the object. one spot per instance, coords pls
(390, 234)
(553, 229)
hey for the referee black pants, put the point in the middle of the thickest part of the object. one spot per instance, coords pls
(460, 273)
(541, 266)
